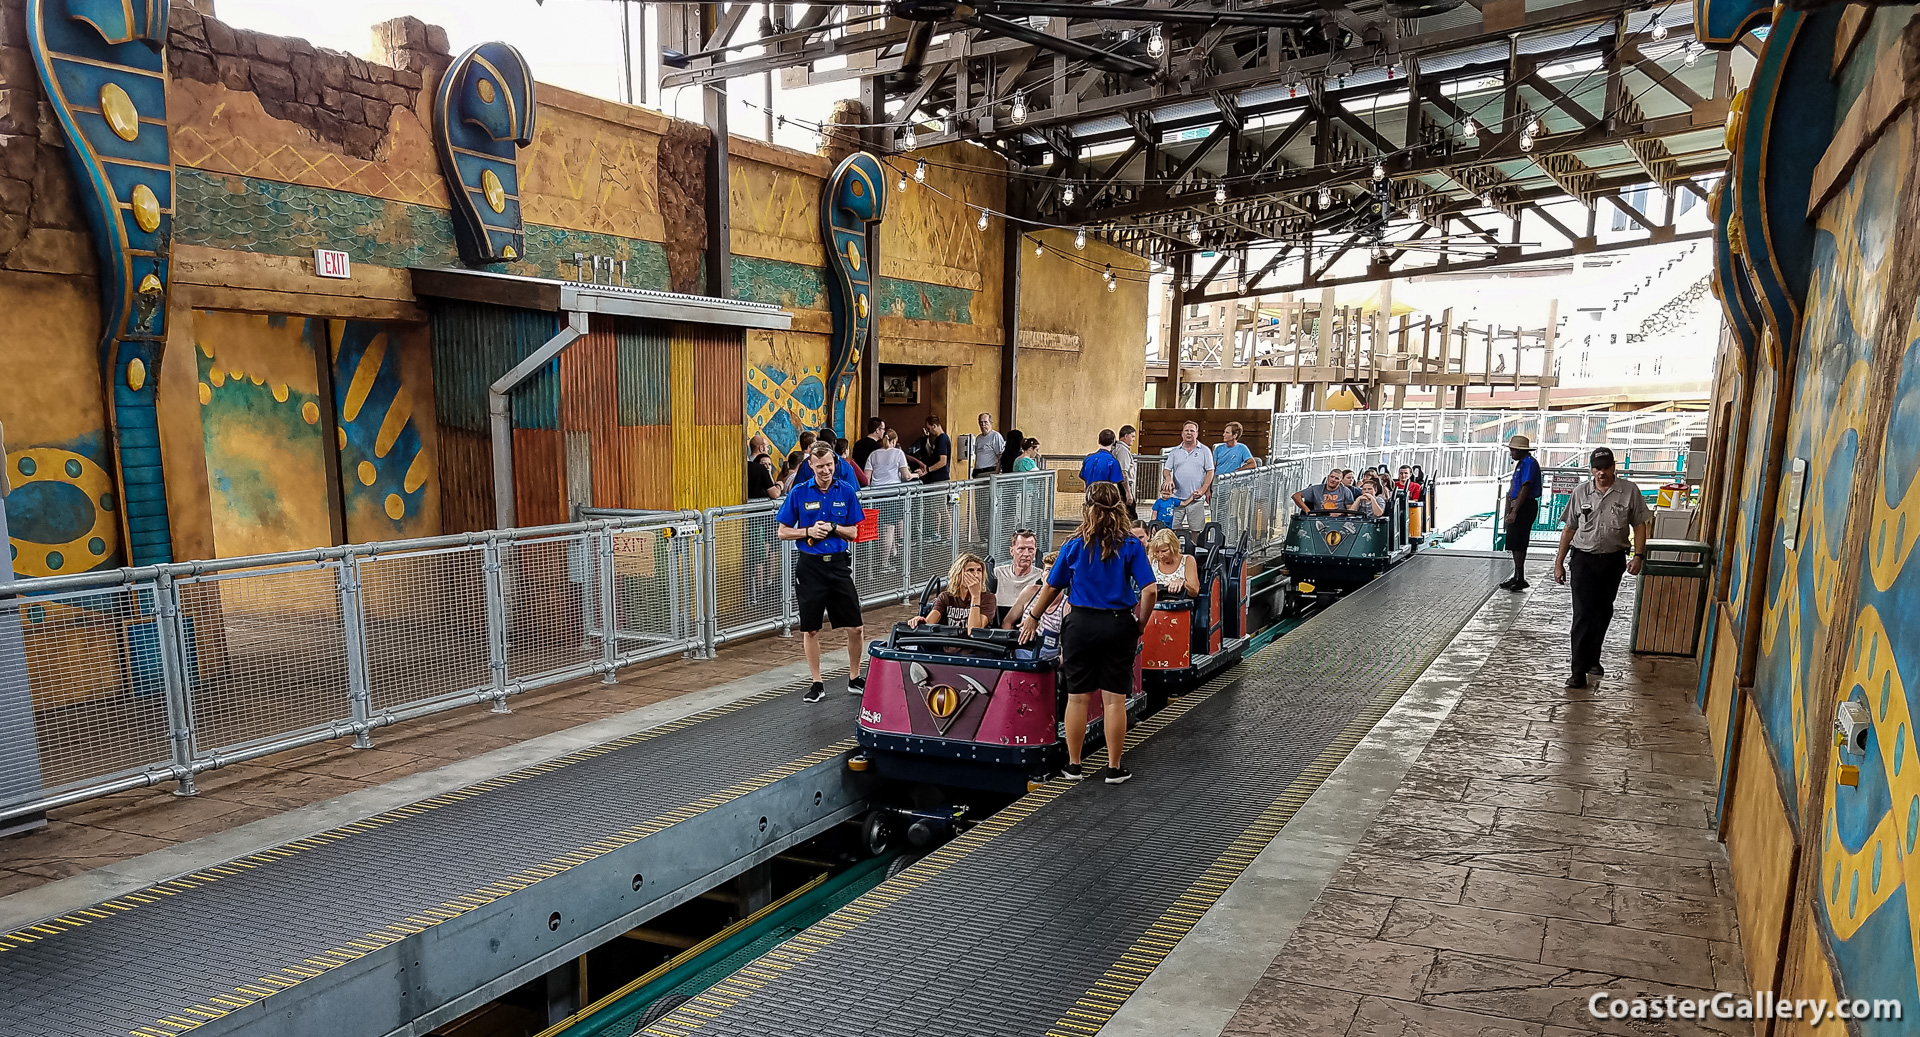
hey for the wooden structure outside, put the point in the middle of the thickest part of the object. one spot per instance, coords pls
(1160, 428)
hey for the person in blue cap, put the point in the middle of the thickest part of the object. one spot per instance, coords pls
(821, 514)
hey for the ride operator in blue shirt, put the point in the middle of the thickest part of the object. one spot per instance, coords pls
(1098, 570)
(822, 515)
(1523, 505)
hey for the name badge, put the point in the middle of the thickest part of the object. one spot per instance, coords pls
(812, 505)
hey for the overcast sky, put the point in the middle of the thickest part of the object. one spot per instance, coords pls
(570, 43)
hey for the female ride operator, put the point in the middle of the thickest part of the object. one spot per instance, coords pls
(1098, 570)
(966, 599)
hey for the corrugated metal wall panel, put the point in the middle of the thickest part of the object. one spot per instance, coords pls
(588, 399)
(647, 466)
(644, 372)
(466, 480)
(539, 476)
(717, 375)
(688, 460)
(720, 478)
(474, 344)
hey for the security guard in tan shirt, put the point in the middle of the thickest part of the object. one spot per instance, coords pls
(1603, 513)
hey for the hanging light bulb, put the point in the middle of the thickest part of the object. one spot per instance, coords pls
(1468, 130)
(1659, 29)
(1193, 233)
(1108, 273)
(1487, 199)
(1414, 211)
(1018, 113)
(1110, 284)
(1533, 126)
(920, 171)
(982, 224)
(1693, 51)
(903, 181)
(1156, 44)
(1080, 239)
(1379, 170)
(1066, 193)
(1326, 197)
(908, 139)
(1220, 193)
(1526, 142)
(1038, 248)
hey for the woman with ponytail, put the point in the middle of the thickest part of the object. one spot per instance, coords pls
(1098, 570)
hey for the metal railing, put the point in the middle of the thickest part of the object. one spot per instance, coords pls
(1072, 492)
(1470, 445)
(133, 678)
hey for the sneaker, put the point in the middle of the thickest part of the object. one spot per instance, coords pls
(1118, 775)
(817, 692)
(857, 686)
(1073, 772)
(1578, 680)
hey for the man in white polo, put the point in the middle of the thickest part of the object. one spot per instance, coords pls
(1187, 474)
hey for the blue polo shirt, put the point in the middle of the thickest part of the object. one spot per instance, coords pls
(807, 503)
(1101, 466)
(843, 471)
(1092, 582)
(1230, 458)
(1526, 475)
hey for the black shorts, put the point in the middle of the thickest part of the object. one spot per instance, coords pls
(1097, 648)
(1520, 530)
(823, 585)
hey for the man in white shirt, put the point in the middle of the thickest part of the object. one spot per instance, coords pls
(1013, 579)
(1123, 453)
(1188, 476)
(987, 447)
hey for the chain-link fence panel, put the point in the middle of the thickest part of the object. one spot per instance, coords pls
(270, 651)
(83, 697)
(552, 593)
(425, 617)
(748, 583)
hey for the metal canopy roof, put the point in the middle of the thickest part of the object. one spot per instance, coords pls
(1257, 145)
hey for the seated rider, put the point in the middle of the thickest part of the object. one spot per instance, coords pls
(1018, 574)
(1050, 619)
(1174, 571)
(1331, 495)
(1371, 502)
(966, 599)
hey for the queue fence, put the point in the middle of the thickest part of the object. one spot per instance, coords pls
(140, 677)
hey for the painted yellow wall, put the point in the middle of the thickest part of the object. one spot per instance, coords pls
(1067, 396)
(1759, 852)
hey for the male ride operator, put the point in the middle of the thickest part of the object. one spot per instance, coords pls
(822, 515)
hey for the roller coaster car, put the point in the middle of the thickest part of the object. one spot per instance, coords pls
(970, 709)
(1328, 554)
(1189, 638)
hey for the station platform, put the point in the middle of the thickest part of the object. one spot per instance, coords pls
(1264, 818)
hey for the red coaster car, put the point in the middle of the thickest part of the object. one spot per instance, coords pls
(1192, 637)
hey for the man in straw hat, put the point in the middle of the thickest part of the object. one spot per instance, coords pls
(1523, 503)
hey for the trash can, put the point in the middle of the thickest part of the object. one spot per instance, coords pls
(1672, 597)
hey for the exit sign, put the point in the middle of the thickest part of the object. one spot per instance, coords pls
(328, 263)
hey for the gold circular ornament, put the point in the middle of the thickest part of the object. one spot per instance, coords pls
(1736, 123)
(311, 412)
(136, 374)
(368, 473)
(860, 304)
(280, 392)
(486, 91)
(122, 117)
(853, 254)
(943, 701)
(396, 508)
(859, 189)
(496, 193)
(150, 284)
(206, 394)
(146, 208)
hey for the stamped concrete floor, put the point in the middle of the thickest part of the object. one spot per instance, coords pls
(1547, 844)
(113, 829)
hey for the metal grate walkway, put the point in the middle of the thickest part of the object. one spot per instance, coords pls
(1044, 919)
(184, 953)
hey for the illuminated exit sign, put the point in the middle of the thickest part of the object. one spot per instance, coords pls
(328, 263)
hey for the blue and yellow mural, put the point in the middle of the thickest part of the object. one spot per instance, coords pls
(782, 404)
(62, 511)
(384, 468)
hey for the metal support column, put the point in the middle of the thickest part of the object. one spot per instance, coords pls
(353, 622)
(496, 584)
(719, 190)
(908, 501)
(167, 633)
(1010, 267)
